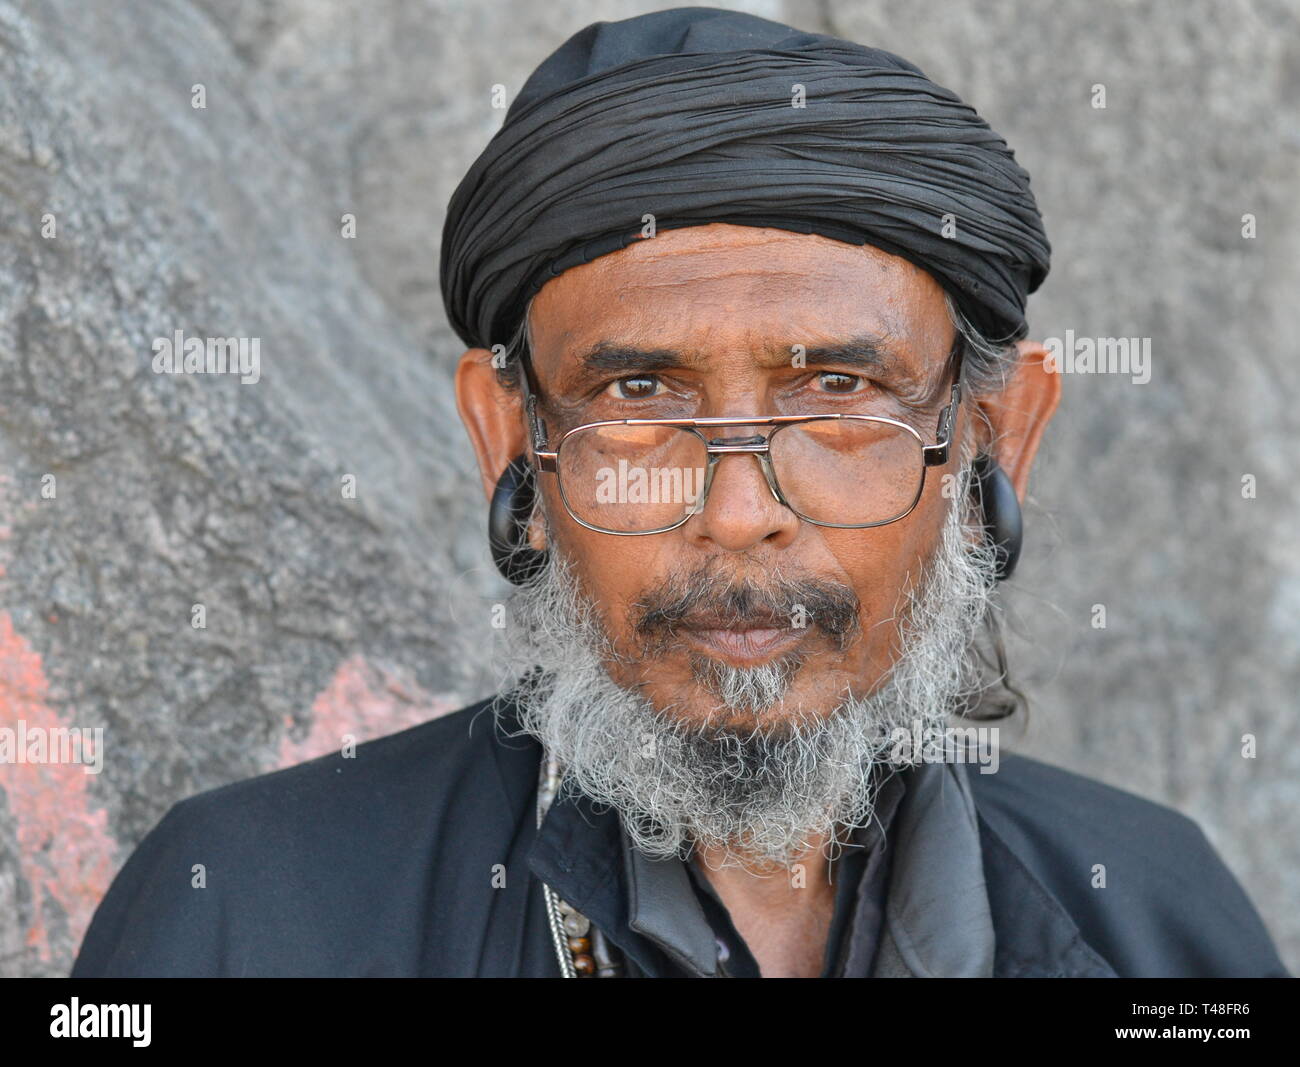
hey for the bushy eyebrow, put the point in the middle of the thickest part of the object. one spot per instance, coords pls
(864, 352)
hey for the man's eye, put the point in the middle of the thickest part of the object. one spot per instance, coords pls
(634, 387)
(838, 382)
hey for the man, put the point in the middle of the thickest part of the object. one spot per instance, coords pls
(751, 395)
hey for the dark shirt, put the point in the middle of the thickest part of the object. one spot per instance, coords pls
(420, 856)
(860, 874)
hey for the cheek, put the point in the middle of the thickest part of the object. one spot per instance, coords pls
(881, 562)
(882, 565)
(875, 564)
(611, 571)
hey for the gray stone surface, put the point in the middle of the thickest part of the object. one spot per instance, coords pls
(328, 615)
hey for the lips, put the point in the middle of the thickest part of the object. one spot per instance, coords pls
(745, 642)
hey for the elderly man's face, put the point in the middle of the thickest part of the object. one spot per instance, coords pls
(733, 302)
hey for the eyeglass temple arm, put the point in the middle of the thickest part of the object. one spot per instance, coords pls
(546, 459)
(936, 455)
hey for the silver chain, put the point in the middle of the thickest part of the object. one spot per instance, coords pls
(546, 790)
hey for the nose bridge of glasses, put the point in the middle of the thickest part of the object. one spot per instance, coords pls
(755, 445)
(724, 445)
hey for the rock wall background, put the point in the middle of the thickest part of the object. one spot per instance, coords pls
(328, 614)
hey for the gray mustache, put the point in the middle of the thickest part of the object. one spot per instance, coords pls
(699, 599)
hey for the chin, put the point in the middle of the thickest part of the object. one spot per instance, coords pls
(700, 704)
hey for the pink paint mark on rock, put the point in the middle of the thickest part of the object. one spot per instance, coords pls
(65, 851)
(367, 701)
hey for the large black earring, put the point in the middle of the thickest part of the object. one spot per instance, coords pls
(1004, 525)
(508, 518)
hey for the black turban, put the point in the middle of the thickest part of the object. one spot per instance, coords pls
(687, 115)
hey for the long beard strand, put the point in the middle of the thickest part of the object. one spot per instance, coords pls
(763, 793)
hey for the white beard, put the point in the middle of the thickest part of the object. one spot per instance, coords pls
(762, 794)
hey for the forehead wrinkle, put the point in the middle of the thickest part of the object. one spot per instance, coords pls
(753, 262)
(692, 342)
(787, 278)
(786, 261)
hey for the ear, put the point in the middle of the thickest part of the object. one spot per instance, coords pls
(493, 416)
(1021, 411)
(494, 419)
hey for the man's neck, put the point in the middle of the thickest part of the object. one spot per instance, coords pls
(784, 914)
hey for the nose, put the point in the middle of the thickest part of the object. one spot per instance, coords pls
(740, 510)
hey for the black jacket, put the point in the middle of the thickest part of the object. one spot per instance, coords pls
(420, 856)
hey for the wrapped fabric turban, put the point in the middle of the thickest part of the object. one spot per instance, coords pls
(693, 116)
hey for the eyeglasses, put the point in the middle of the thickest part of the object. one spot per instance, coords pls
(632, 477)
